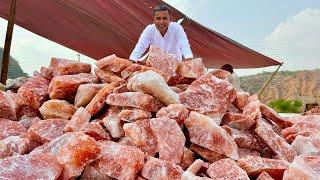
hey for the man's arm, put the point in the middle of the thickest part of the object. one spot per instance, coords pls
(142, 45)
(184, 43)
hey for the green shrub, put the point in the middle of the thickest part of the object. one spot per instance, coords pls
(286, 106)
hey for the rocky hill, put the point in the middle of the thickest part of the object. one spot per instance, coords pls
(14, 67)
(290, 85)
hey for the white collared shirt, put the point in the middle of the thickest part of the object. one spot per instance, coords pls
(175, 41)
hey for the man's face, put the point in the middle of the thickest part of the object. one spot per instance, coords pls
(161, 19)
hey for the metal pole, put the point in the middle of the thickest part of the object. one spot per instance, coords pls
(7, 44)
(268, 81)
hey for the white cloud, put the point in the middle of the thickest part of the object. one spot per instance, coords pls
(296, 41)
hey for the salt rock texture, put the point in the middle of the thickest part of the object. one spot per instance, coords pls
(65, 86)
(66, 149)
(208, 155)
(107, 76)
(176, 89)
(120, 89)
(208, 94)
(90, 173)
(113, 63)
(241, 99)
(57, 109)
(274, 141)
(40, 166)
(190, 173)
(226, 169)
(170, 138)
(208, 134)
(221, 74)
(14, 145)
(273, 116)
(244, 153)
(163, 61)
(188, 157)
(177, 112)
(34, 92)
(136, 100)
(10, 128)
(47, 130)
(137, 68)
(78, 119)
(119, 161)
(255, 165)
(27, 122)
(155, 168)
(95, 130)
(68, 67)
(98, 101)
(141, 135)
(264, 176)
(85, 93)
(134, 114)
(191, 69)
(114, 126)
(45, 72)
(153, 84)
(303, 167)
(307, 145)
(7, 106)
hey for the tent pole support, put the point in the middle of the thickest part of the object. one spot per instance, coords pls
(7, 43)
(268, 81)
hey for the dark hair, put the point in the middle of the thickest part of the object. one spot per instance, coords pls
(161, 7)
(227, 67)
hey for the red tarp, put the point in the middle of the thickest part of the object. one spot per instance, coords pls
(98, 28)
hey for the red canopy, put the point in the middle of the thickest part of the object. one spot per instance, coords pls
(98, 28)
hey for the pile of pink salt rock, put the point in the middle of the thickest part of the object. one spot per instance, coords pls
(161, 120)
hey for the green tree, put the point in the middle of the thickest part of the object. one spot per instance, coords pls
(14, 70)
(286, 106)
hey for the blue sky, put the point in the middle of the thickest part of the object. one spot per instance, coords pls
(287, 30)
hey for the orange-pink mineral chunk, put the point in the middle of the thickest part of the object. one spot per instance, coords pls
(113, 63)
(107, 76)
(68, 67)
(273, 116)
(191, 69)
(85, 93)
(27, 122)
(57, 109)
(187, 158)
(14, 145)
(170, 138)
(78, 119)
(10, 128)
(177, 112)
(134, 114)
(95, 130)
(208, 155)
(307, 145)
(7, 106)
(264, 176)
(303, 167)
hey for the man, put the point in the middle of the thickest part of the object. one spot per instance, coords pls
(167, 35)
(233, 79)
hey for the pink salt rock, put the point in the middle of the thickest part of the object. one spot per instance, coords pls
(136, 100)
(242, 99)
(119, 161)
(24, 111)
(90, 173)
(159, 59)
(125, 141)
(98, 101)
(170, 138)
(176, 89)
(15, 84)
(68, 67)
(177, 112)
(273, 116)
(141, 136)
(57, 109)
(134, 114)
(274, 141)
(252, 109)
(188, 157)
(46, 73)
(307, 145)
(159, 169)
(238, 121)
(191, 69)
(264, 176)
(176, 80)
(153, 84)
(121, 89)
(208, 94)
(95, 130)
(65, 86)
(226, 169)
(305, 126)
(47, 130)
(85, 93)
(195, 167)
(190, 173)
(183, 87)
(233, 109)
(255, 165)
(245, 139)
(107, 76)
(34, 92)
(41, 166)
(14, 145)
(74, 150)
(303, 167)
(114, 125)
(208, 155)
(221, 74)
(244, 153)
(187, 175)
(27, 122)
(7, 106)
(78, 119)
(113, 63)
(10, 128)
(206, 133)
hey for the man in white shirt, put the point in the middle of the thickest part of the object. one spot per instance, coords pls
(167, 35)
(233, 79)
